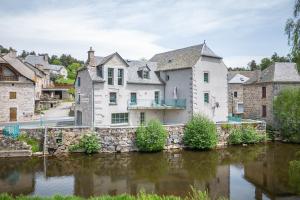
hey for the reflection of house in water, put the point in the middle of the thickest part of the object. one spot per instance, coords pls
(17, 182)
(173, 183)
(269, 179)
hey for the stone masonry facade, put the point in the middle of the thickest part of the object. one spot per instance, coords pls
(232, 100)
(24, 102)
(122, 139)
(253, 100)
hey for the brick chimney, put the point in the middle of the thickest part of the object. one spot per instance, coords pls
(91, 57)
(12, 53)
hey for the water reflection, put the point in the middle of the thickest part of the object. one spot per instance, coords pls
(255, 172)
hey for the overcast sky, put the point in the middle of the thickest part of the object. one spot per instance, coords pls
(237, 30)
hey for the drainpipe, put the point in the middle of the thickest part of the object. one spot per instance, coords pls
(93, 112)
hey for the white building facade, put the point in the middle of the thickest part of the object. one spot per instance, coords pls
(170, 87)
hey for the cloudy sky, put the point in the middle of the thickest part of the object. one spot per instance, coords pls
(237, 30)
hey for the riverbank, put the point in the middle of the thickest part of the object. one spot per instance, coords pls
(194, 195)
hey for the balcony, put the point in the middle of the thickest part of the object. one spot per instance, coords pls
(8, 78)
(150, 104)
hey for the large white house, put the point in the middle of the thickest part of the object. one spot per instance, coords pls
(171, 87)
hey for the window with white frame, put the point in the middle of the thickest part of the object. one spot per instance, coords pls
(119, 118)
(113, 98)
(240, 108)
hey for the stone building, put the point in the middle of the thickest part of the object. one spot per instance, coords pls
(262, 89)
(17, 89)
(236, 80)
(170, 87)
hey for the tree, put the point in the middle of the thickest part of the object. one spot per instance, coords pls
(265, 63)
(56, 62)
(253, 66)
(292, 30)
(3, 50)
(72, 70)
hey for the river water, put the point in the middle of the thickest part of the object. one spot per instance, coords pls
(253, 172)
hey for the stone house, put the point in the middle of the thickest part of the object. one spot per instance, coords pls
(261, 90)
(171, 87)
(17, 89)
(236, 80)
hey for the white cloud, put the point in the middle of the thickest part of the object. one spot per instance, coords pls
(133, 28)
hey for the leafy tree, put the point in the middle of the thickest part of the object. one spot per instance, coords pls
(3, 49)
(265, 63)
(253, 66)
(72, 70)
(292, 30)
(56, 62)
(287, 113)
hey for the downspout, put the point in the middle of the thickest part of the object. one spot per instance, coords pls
(93, 112)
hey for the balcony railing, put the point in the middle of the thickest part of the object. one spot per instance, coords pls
(154, 104)
(8, 78)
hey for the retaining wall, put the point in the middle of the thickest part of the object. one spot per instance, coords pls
(122, 139)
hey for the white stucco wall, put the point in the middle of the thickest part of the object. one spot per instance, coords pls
(85, 91)
(103, 109)
(216, 87)
(182, 79)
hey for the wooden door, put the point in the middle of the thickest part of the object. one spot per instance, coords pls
(12, 114)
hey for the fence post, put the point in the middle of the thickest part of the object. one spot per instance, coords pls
(45, 141)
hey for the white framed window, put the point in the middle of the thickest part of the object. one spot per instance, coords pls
(112, 98)
(119, 118)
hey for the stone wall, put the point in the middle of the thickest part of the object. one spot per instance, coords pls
(233, 101)
(122, 139)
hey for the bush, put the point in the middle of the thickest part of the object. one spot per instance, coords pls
(34, 143)
(200, 133)
(245, 135)
(152, 137)
(294, 175)
(287, 113)
(89, 143)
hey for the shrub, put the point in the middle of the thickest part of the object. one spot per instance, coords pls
(89, 143)
(200, 133)
(287, 113)
(152, 137)
(34, 143)
(235, 136)
(294, 175)
(245, 135)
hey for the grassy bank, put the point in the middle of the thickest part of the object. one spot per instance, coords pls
(194, 195)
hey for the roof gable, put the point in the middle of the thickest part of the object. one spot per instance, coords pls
(106, 59)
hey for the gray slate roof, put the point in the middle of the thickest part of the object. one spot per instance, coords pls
(36, 60)
(55, 67)
(249, 74)
(182, 58)
(278, 72)
(19, 66)
(135, 66)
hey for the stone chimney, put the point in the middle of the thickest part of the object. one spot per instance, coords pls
(45, 57)
(12, 53)
(91, 57)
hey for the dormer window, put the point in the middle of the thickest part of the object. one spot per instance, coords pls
(99, 71)
(146, 74)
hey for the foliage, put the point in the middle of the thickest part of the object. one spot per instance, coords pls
(253, 66)
(292, 30)
(34, 143)
(245, 135)
(71, 91)
(194, 195)
(72, 70)
(294, 175)
(3, 49)
(152, 137)
(89, 143)
(287, 113)
(62, 80)
(200, 133)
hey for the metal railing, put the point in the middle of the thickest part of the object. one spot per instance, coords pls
(159, 104)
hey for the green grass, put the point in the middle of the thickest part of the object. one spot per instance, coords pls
(194, 195)
(35, 146)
